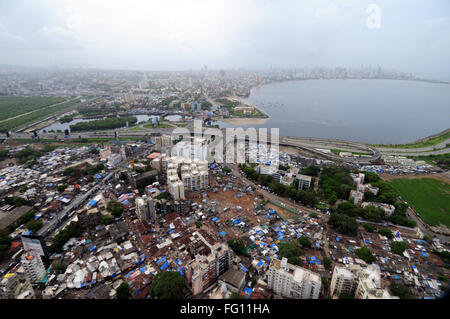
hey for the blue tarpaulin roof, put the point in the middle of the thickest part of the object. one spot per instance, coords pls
(424, 254)
(92, 202)
(214, 219)
(223, 233)
(244, 269)
(93, 248)
(280, 238)
(161, 259)
(165, 265)
(260, 263)
(248, 291)
(28, 232)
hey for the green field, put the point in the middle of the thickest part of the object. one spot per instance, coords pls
(429, 197)
(16, 123)
(428, 142)
(11, 106)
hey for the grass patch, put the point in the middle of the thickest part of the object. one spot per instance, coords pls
(35, 116)
(428, 142)
(429, 197)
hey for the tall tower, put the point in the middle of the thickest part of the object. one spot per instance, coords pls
(33, 266)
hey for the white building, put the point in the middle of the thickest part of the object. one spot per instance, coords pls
(388, 209)
(292, 281)
(185, 174)
(369, 285)
(344, 280)
(304, 181)
(145, 209)
(357, 196)
(33, 266)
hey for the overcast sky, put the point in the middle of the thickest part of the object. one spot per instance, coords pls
(413, 35)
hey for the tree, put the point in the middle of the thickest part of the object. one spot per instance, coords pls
(345, 296)
(5, 244)
(226, 169)
(291, 251)
(343, 224)
(236, 295)
(168, 285)
(123, 176)
(370, 177)
(326, 262)
(385, 232)
(115, 208)
(237, 245)
(61, 188)
(346, 208)
(304, 241)
(398, 247)
(401, 291)
(72, 230)
(61, 268)
(365, 254)
(106, 220)
(370, 228)
(123, 291)
(34, 225)
(198, 224)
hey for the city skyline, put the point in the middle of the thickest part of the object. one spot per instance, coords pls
(226, 35)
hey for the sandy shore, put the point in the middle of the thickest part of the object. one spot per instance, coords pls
(244, 121)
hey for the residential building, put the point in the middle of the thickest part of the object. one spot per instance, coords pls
(33, 266)
(204, 270)
(16, 286)
(344, 280)
(291, 281)
(357, 196)
(304, 181)
(369, 285)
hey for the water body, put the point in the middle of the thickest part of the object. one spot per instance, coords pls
(173, 118)
(63, 126)
(372, 111)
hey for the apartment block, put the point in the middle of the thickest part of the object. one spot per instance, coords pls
(33, 266)
(290, 281)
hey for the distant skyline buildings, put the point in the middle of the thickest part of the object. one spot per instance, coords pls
(185, 34)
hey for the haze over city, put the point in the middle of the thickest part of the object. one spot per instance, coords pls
(212, 151)
(412, 36)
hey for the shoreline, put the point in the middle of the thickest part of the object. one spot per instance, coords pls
(246, 120)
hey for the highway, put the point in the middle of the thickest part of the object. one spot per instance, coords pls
(48, 228)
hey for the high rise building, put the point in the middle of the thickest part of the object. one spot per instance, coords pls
(145, 209)
(33, 266)
(362, 283)
(204, 270)
(291, 281)
(344, 280)
(304, 181)
(194, 175)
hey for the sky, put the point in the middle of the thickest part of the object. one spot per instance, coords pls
(408, 35)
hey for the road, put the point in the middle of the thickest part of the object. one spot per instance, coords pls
(49, 228)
